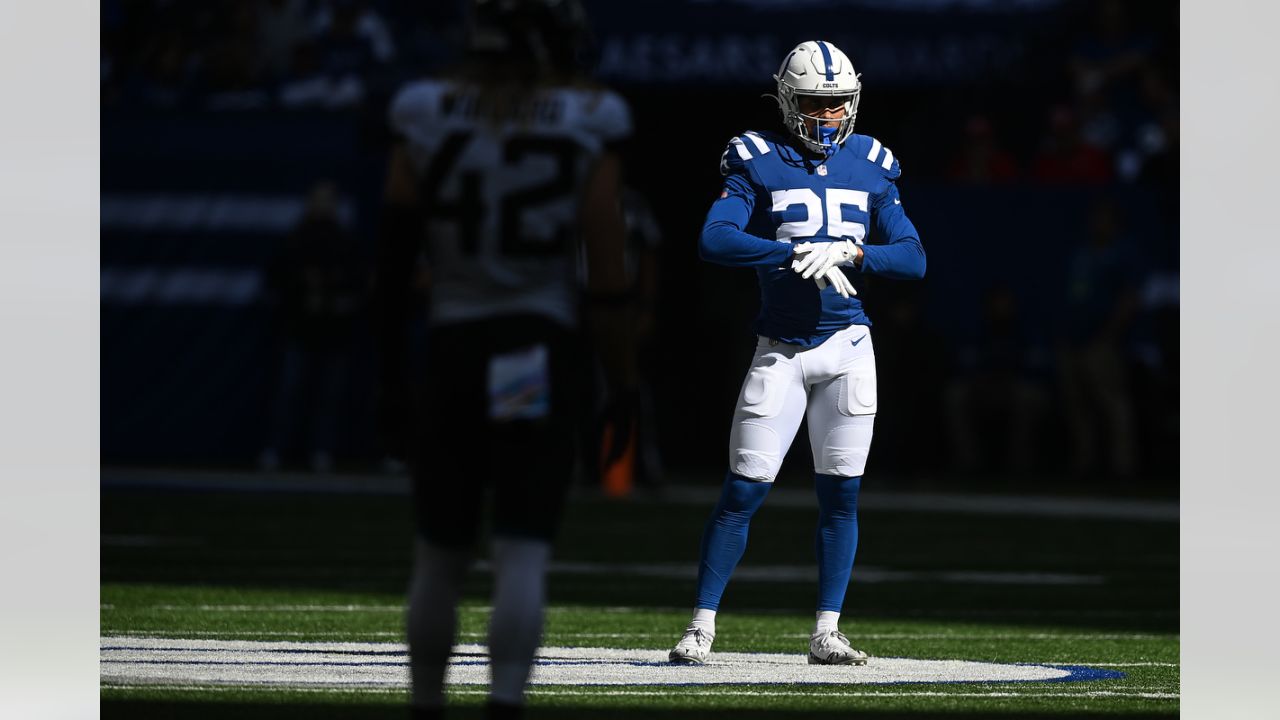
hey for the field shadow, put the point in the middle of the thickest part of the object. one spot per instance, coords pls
(360, 545)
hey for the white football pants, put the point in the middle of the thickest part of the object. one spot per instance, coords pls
(833, 384)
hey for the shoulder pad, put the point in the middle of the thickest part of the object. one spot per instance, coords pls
(883, 157)
(606, 114)
(742, 149)
(413, 102)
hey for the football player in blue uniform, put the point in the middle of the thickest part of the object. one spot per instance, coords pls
(812, 210)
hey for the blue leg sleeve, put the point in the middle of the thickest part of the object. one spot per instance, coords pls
(837, 537)
(725, 537)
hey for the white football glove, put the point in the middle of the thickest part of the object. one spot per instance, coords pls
(815, 259)
(836, 277)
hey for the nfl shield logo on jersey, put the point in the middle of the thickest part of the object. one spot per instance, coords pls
(822, 169)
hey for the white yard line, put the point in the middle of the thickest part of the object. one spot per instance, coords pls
(865, 636)
(262, 608)
(698, 691)
(232, 634)
(169, 687)
(218, 634)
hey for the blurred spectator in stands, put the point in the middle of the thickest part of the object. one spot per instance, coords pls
(980, 160)
(1156, 374)
(1160, 168)
(354, 34)
(643, 459)
(111, 50)
(1120, 91)
(644, 241)
(1100, 126)
(317, 285)
(308, 85)
(995, 404)
(157, 51)
(1064, 156)
(234, 73)
(1102, 300)
(1154, 134)
(1110, 58)
(911, 367)
(163, 71)
(354, 43)
(282, 26)
(351, 44)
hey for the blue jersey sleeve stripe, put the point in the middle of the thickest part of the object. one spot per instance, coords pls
(888, 159)
(826, 59)
(741, 147)
(875, 150)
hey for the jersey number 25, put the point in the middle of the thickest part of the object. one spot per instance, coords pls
(815, 217)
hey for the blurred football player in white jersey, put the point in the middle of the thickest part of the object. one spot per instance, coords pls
(812, 210)
(502, 167)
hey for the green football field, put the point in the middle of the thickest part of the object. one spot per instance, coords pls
(245, 603)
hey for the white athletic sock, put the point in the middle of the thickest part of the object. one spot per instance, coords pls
(433, 599)
(519, 593)
(827, 621)
(705, 619)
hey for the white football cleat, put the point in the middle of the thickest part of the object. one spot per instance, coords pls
(693, 648)
(832, 648)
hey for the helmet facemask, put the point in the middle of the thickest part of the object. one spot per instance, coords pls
(812, 130)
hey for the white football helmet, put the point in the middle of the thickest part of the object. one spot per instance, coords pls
(817, 67)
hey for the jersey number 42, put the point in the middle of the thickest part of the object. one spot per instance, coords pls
(473, 201)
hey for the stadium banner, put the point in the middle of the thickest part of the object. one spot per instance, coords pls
(737, 42)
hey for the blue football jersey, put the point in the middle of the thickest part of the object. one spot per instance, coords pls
(776, 193)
